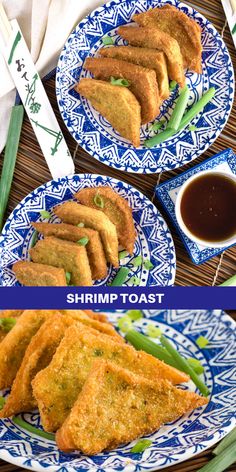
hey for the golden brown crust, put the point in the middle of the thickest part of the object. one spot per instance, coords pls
(153, 38)
(94, 248)
(185, 30)
(116, 208)
(117, 104)
(31, 274)
(96, 316)
(143, 82)
(65, 254)
(149, 58)
(8, 314)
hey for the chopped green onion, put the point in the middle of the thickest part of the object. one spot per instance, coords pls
(202, 342)
(135, 281)
(197, 107)
(159, 138)
(135, 315)
(222, 461)
(34, 238)
(152, 331)
(173, 84)
(179, 109)
(141, 445)
(120, 277)
(123, 254)
(9, 161)
(124, 324)
(196, 365)
(23, 424)
(2, 402)
(227, 441)
(157, 125)
(142, 343)
(80, 225)
(192, 128)
(83, 241)
(137, 261)
(107, 40)
(45, 214)
(68, 277)
(98, 200)
(148, 265)
(122, 82)
(6, 324)
(184, 366)
(231, 282)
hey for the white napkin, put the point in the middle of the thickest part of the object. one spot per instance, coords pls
(45, 24)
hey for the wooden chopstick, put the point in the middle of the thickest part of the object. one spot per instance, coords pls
(5, 25)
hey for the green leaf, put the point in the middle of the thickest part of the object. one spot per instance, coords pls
(107, 40)
(202, 342)
(45, 214)
(124, 324)
(2, 402)
(121, 82)
(134, 314)
(6, 324)
(135, 280)
(148, 265)
(68, 277)
(123, 254)
(137, 261)
(80, 225)
(98, 200)
(153, 332)
(141, 445)
(83, 241)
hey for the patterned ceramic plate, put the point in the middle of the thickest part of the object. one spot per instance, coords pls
(97, 136)
(173, 443)
(153, 241)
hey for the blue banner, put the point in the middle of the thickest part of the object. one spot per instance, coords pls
(117, 298)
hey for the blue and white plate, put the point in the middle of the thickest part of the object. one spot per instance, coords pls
(176, 441)
(97, 136)
(153, 240)
(167, 193)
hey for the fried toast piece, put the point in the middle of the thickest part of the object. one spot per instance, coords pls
(128, 406)
(73, 213)
(149, 58)
(143, 83)
(97, 316)
(117, 104)
(70, 367)
(184, 29)
(156, 39)
(28, 273)
(69, 256)
(38, 355)
(116, 208)
(15, 343)
(94, 248)
(8, 314)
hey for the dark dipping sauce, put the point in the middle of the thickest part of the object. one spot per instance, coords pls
(208, 207)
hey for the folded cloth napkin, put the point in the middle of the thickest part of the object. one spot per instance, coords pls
(45, 24)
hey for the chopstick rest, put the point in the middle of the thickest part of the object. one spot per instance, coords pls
(34, 99)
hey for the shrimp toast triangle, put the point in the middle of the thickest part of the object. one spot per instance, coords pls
(94, 248)
(71, 365)
(143, 83)
(184, 29)
(73, 213)
(150, 58)
(156, 39)
(65, 254)
(15, 343)
(37, 356)
(31, 274)
(117, 104)
(129, 406)
(117, 210)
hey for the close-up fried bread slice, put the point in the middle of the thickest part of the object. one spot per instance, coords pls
(72, 363)
(117, 104)
(73, 213)
(97, 316)
(129, 406)
(150, 58)
(94, 248)
(65, 254)
(116, 208)
(143, 83)
(177, 24)
(38, 355)
(28, 273)
(15, 343)
(156, 39)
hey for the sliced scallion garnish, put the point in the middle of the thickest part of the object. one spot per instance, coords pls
(137, 261)
(134, 315)
(141, 445)
(124, 324)
(120, 277)
(173, 84)
(6, 324)
(83, 241)
(107, 40)
(2, 402)
(98, 200)
(202, 342)
(123, 254)
(45, 214)
(148, 265)
(152, 331)
(68, 277)
(179, 109)
(121, 82)
(80, 225)
(23, 424)
(135, 281)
